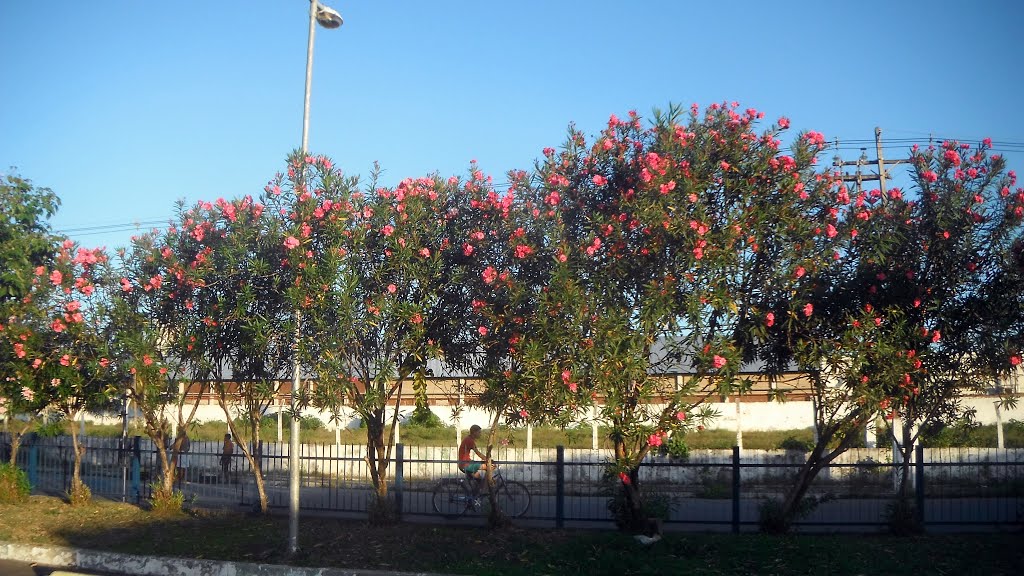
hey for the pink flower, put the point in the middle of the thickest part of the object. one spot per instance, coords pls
(599, 180)
(27, 393)
(425, 252)
(784, 123)
(680, 416)
(65, 360)
(523, 413)
(19, 350)
(769, 319)
(831, 231)
(929, 176)
(146, 360)
(126, 286)
(489, 275)
(56, 277)
(392, 288)
(936, 336)
(416, 318)
(953, 157)
(1014, 360)
(387, 230)
(724, 165)
(37, 363)
(291, 242)
(808, 309)
(104, 362)
(40, 270)
(718, 361)
(522, 251)
(799, 272)
(483, 330)
(57, 326)
(815, 138)
(654, 439)
(625, 478)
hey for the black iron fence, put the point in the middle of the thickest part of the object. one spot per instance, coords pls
(965, 488)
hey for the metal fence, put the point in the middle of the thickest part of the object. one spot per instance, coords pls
(710, 490)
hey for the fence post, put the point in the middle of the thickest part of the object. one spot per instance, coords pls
(399, 476)
(919, 484)
(137, 468)
(560, 487)
(735, 489)
(33, 465)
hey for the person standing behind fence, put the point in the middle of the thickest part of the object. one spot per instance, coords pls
(183, 458)
(225, 458)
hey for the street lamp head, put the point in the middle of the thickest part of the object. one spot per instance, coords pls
(328, 17)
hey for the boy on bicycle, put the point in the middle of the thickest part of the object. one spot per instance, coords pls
(476, 470)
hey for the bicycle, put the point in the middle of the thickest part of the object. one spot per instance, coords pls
(453, 497)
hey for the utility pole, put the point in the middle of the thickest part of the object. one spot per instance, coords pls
(880, 163)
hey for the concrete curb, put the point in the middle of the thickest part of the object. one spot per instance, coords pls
(60, 557)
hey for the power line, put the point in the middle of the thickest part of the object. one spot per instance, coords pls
(836, 144)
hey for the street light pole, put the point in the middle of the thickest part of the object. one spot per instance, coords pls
(328, 18)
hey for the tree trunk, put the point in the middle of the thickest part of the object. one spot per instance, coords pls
(16, 438)
(76, 470)
(790, 508)
(496, 517)
(906, 449)
(633, 516)
(377, 462)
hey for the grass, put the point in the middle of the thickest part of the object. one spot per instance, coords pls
(330, 542)
(543, 436)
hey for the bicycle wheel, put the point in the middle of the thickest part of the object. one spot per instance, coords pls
(451, 499)
(513, 498)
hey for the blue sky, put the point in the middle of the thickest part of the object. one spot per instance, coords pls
(123, 107)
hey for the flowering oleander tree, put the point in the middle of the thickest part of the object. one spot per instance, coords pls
(672, 246)
(394, 303)
(26, 242)
(506, 257)
(904, 316)
(59, 335)
(222, 305)
(143, 355)
(944, 270)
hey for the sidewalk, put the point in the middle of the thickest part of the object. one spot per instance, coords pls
(93, 560)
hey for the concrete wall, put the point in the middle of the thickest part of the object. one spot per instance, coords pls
(752, 416)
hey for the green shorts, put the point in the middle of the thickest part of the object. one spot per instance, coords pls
(471, 468)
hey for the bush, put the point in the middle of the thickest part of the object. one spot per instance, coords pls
(14, 486)
(675, 447)
(51, 429)
(423, 417)
(166, 503)
(310, 423)
(794, 443)
(80, 494)
(772, 520)
(656, 506)
(902, 518)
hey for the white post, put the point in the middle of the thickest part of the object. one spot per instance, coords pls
(593, 428)
(739, 422)
(337, 436)
(999, 425)
(529, 436)
(280, 422)
(869, 434)
(398, 426)
(897, 455)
